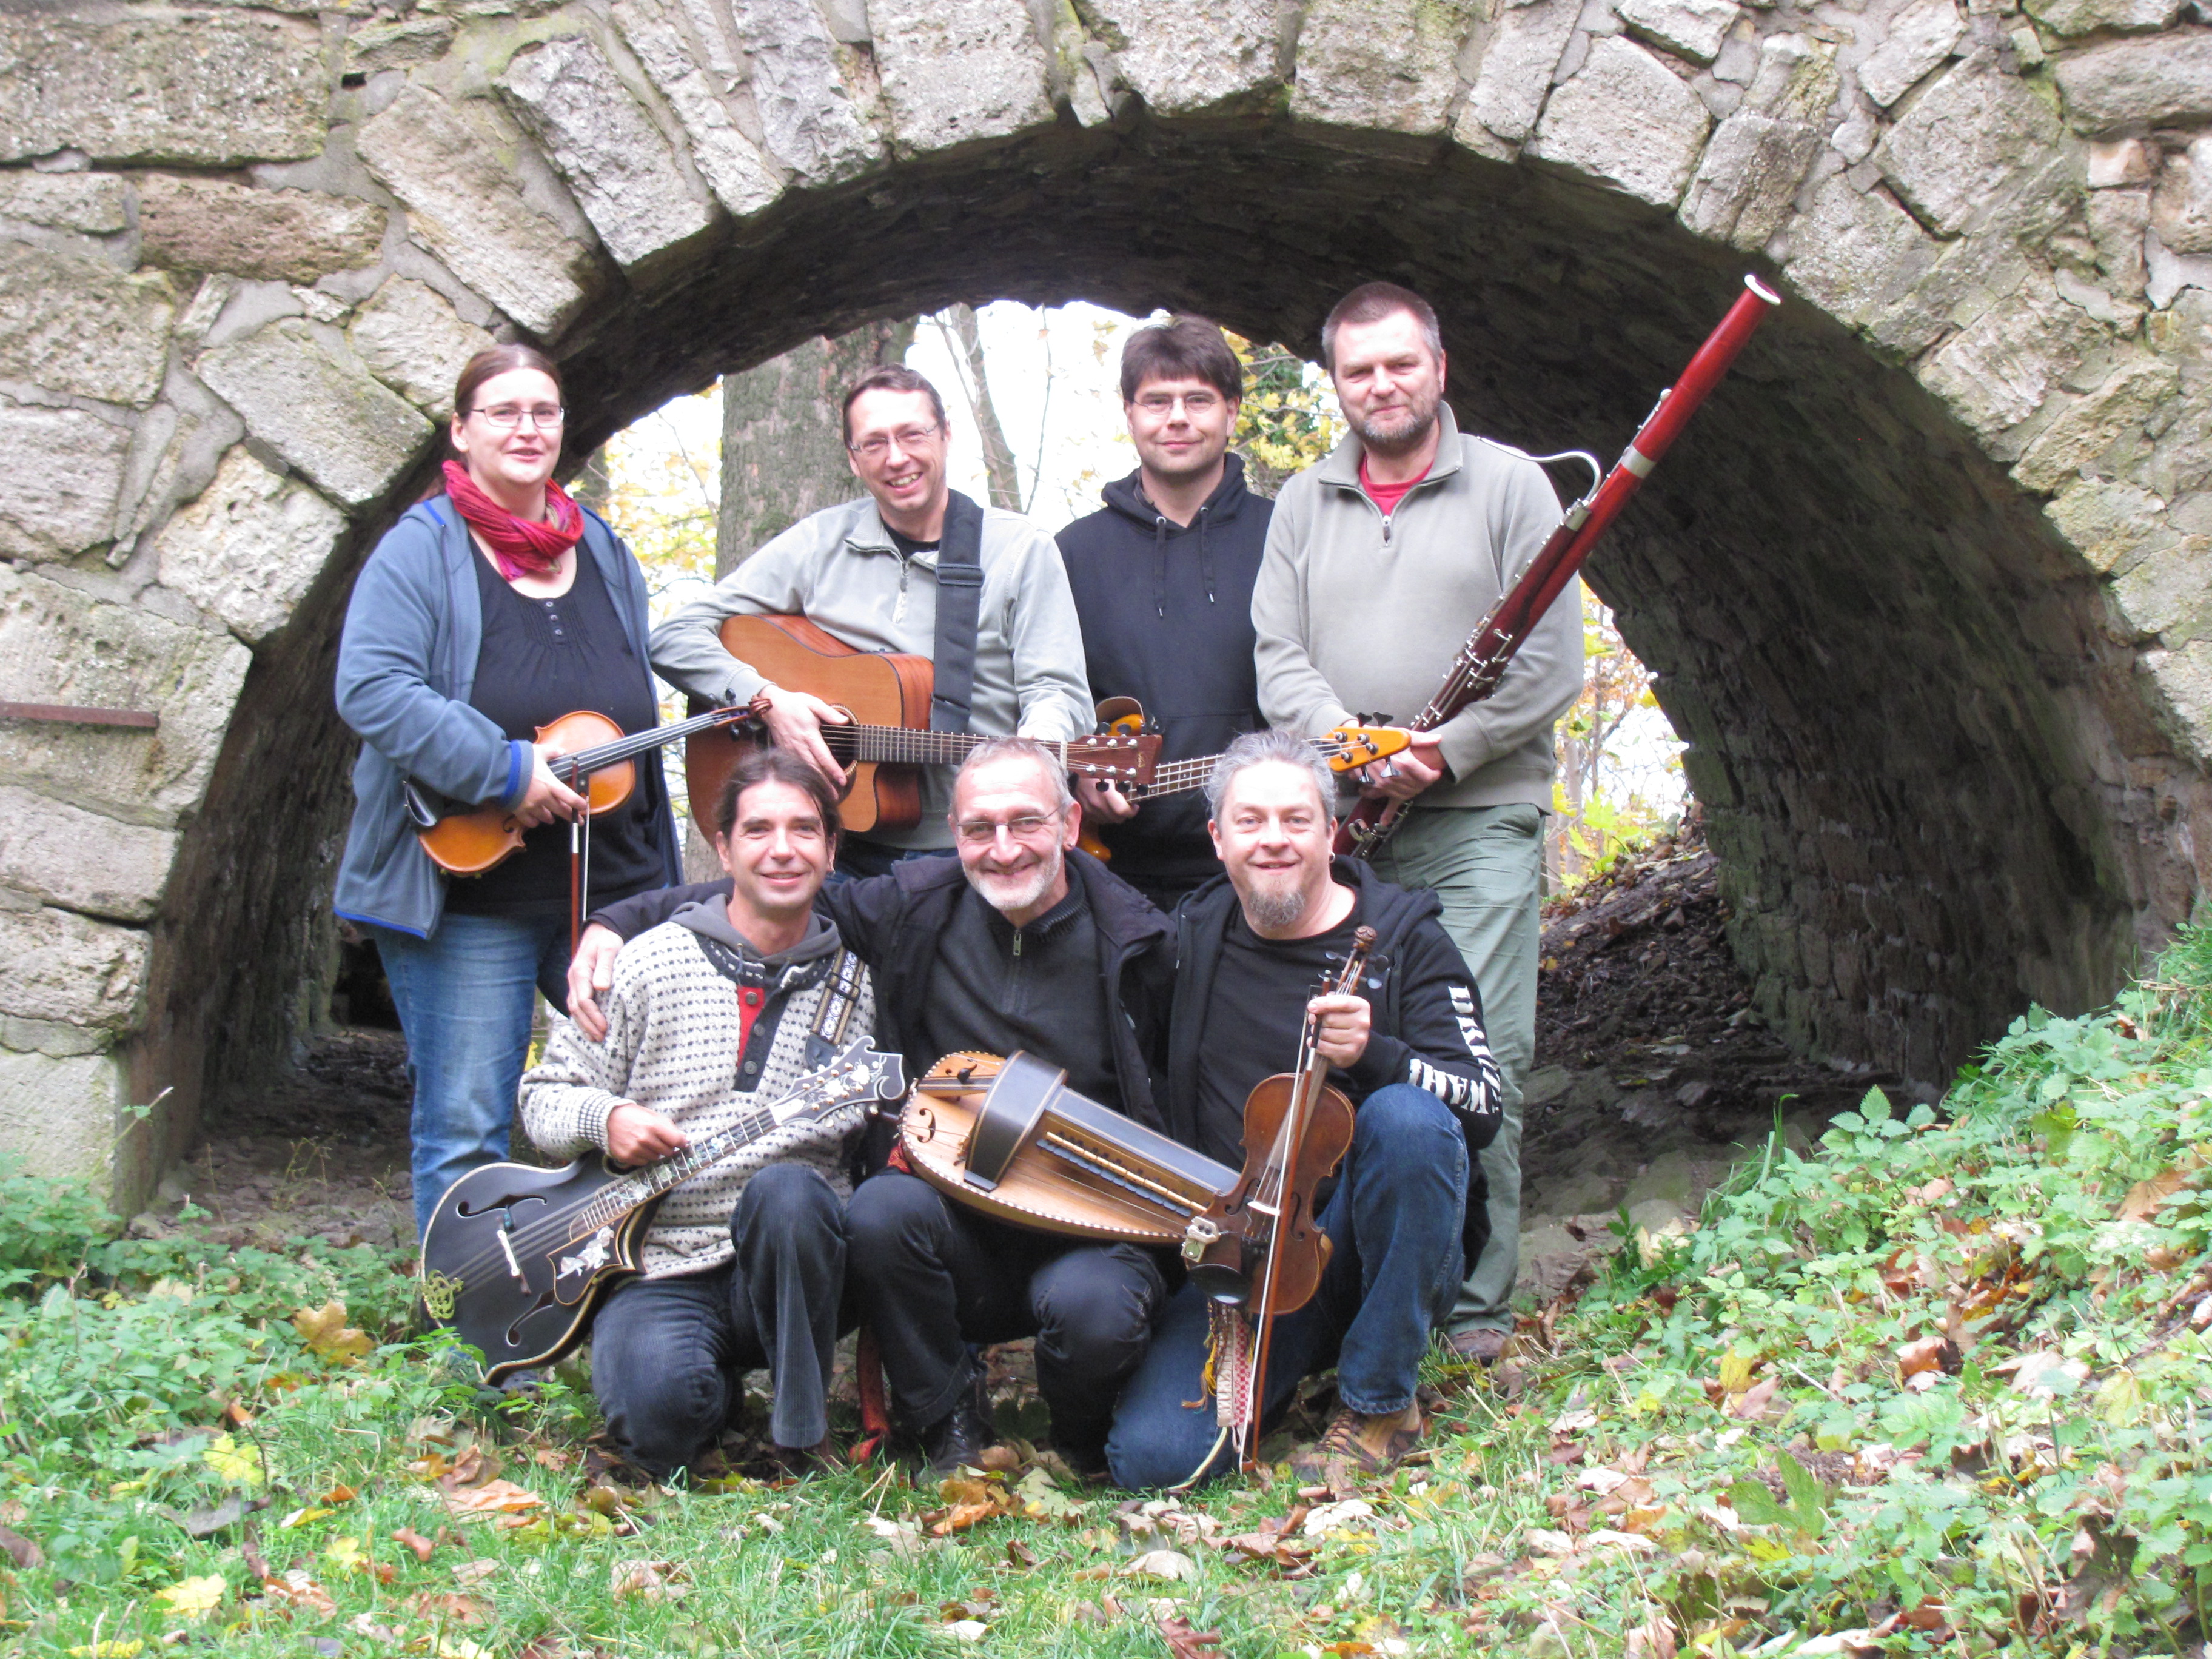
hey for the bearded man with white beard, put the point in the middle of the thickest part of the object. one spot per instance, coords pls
(1024, 943)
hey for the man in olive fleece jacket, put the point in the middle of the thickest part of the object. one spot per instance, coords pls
(1381, 562)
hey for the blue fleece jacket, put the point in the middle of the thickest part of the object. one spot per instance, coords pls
(407, 664)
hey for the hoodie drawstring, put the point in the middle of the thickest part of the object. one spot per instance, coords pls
(1205, 555)
(1160, 564)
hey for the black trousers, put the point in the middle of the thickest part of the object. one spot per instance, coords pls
(669, 1355)
(931, 1277)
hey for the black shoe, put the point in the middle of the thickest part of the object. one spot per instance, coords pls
(960, 1436)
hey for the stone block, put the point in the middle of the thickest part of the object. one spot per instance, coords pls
(210, 90)
(2112, 525)
(247, 549)
(59, 1116)
(282, 235)
(1997, 373)
(2138, 83)
(1182, 58)
(455, 174)
(1545, 1086)
(90, 202)
(58, 644)
(321, 412)
(2167, 595)
(1963, 140)
(2128, 398)
(64, 471)
(416, 342)
(809, 119)
(63, 855)
(2094, 16)
(1515, 72)
(1627, 120)
(1920, 37)
(372, 48)
(2181, 206)
(2117, 219)
(56, 965)
(1387, 64)
(1695, 29)
(82, 326)
(1745, 185)
(1852, 255)
(725, 156)
(2121, 162)
(624, 173)
(955, 70)
(1797, 80)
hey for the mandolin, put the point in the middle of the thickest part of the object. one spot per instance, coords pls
(515, 1258)
(888, 739)
(595, 761)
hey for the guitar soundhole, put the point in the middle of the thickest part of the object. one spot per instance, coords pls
(515, 1331)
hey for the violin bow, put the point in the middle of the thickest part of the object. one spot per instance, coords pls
(1313, 1078)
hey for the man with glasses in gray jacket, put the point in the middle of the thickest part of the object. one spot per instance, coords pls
(913, 566)
(1382, 561)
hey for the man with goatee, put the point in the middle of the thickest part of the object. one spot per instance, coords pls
(1381, 562)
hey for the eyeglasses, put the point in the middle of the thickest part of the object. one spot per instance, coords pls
(1194, 402)
(908, 439)
(505, 417)
(981, 832)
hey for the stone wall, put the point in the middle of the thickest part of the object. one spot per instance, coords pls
(1926, 584)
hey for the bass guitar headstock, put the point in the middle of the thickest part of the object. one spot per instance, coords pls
(858, 1074)
(1348, 748)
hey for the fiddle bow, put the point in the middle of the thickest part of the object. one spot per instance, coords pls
(1266, 1257)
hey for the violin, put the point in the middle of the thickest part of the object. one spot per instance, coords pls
(1269, 1252)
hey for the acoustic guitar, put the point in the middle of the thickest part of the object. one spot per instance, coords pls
(516, 1258)
(888, 740)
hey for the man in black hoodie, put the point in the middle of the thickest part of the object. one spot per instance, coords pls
(1163, 579)
(1024, 943)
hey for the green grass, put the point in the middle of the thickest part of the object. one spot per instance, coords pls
(1807, 1417)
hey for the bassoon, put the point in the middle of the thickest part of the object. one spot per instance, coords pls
(1481, 662)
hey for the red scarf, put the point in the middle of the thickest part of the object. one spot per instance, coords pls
(518, 546)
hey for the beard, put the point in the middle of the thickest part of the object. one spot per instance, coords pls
(1398, 430)
(1269, 909)
(1018, 889)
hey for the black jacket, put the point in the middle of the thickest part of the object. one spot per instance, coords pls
(1427, 1017)
(1167, 619)
(892, 922)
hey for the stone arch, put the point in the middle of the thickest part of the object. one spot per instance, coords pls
(1925, 586)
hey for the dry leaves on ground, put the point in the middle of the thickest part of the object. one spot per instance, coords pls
(329, 1336)
(1185, 1642)
(650, 1581)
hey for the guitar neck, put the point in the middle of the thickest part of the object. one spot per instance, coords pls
(612, 1202)
(1181, 776)
(901, 746)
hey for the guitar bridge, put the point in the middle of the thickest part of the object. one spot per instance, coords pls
(512, 1265)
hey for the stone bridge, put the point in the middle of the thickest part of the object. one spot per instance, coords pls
(1926, 585)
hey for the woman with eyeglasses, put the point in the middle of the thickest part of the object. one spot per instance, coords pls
(494, 606)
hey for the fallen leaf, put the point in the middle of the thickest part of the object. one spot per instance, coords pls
(446, 1605)
(1652, 1640)
(2146, 1198)
(2044, 1373)
(1326, 1518)
(192, 1598)
(552, 1457)
(1928, 1353)
(1019, 1554)
(344, 1553)
(295, 1589)
(21, 1550)
(414, 1541)
(1041, 1499)
(649, 1581)
(1751, 1403)
(494, 1497)
(1541, 1540)
(961, 1517)
(205, 1523)
(1185, 1642)
(340, 1495)
(1634, 1543)
(1172, 1564)
(329, 1335)
(475, 1572)
(235, 1463)
(969, 1629)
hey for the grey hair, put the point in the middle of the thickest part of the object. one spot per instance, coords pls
(1256, 749)
(1370, 302)
(1028, 749)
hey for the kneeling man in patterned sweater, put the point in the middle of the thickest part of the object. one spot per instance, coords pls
(714, 1013)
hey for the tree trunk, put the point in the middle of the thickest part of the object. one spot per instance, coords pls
(1004, 478)
(783, 439)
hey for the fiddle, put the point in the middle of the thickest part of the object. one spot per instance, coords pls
(1266, 1251)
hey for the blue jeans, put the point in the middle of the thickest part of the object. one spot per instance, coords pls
(668, 1354)
(464, 997)
(1394, 1222)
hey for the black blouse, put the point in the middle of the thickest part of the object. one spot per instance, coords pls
(542, 659)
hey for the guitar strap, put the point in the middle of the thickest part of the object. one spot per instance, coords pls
(840, 1000)
(959, 603)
